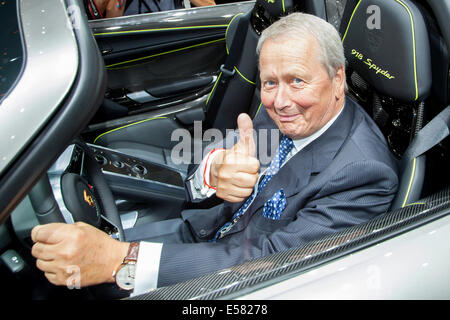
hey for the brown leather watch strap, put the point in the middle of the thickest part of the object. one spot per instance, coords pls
(133, 251)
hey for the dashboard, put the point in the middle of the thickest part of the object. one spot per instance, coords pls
(127, 176)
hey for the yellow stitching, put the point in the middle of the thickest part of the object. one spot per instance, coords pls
(160, 29)
(414, 46)
(214, 87)
(128, 125)
(217, 81)
(251, 82)
(162, 53)
(350, 21)
(410, 183)
(226, 31)
(413, 37)
(371, 65)
(416, 203)
(257, 111)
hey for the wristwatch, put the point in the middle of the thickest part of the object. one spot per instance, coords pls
(126, 272)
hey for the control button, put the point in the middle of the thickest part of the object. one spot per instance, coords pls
(118, 164)
(101, 160)
(13, 261)
(139, 169)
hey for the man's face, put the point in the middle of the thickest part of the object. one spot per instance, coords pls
(296, 90)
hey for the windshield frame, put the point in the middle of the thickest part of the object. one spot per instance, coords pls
(50, 69)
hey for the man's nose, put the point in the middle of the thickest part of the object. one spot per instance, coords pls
(282, 98)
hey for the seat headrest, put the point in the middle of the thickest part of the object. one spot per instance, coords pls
(276, 8)
(386, 43)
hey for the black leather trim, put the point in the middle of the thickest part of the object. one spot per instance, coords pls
(410, 186)
(155, 132)
(441, 9)
(276, 8)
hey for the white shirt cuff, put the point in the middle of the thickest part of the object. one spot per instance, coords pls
(200, 189)
(147, 267)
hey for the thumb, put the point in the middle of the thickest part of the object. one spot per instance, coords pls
(246, 143)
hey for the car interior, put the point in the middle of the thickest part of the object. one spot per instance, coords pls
(124, 158)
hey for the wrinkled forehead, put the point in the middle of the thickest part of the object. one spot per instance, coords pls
(300, 49)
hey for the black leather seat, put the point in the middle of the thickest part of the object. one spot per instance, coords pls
(150, 139)
(389, 73)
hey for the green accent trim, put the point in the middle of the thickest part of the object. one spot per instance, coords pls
(217, 81)
(226, 31)
(163, 53)
(257, 111)
(242, 76)
(410, 183)
(350, 21)
(284, 10)
(160, 29)
(214, 87)
(416, 203)
(414, 46)
(128, 125)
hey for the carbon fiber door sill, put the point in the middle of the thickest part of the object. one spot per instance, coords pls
(258, 273)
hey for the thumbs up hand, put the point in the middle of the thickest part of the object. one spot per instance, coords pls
(246, 143)
(234, 172)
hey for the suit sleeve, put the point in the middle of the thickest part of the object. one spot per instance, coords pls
(355, 194)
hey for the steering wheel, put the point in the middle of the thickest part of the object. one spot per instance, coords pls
(85, 200)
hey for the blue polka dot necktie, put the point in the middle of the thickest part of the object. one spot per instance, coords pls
(284, 148)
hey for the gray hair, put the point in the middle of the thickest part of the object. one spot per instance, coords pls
(296, 25)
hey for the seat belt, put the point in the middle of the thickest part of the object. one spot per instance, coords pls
(238, 39)
(227, 69)
(429, 136)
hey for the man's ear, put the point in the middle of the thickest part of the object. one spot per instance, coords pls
(339, 82)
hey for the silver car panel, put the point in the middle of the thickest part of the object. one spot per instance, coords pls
(51, 51)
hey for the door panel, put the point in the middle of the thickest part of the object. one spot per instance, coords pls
(118, 47)
(177, 52)
(163, 68)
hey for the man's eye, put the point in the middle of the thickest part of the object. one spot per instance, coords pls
(269, 83)
(297, 81)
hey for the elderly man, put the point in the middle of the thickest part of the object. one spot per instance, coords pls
(331, 170)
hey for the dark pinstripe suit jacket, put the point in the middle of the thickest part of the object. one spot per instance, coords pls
(343, 178)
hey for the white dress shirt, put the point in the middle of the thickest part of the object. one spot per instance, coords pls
(147, 266)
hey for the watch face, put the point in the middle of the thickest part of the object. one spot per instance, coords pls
(125, 276)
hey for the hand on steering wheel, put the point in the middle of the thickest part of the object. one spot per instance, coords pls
(79, 251)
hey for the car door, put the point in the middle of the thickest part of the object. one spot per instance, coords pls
(162, 62)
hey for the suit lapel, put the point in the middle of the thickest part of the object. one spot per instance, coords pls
(328, 145)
